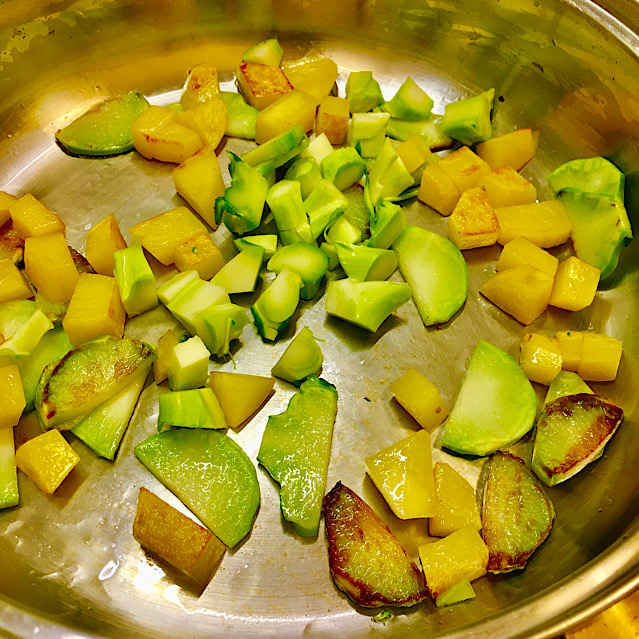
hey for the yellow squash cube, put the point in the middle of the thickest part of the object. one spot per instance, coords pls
(290, 110)
(600, 357)
(31, 218)
(437, 189)
(102, 240)
(49, 265)
(166, 344)
(13, 286)
(473, 222)
(6, 200)
(47, 459)
(521, 251)
(540, 358)
(95, 309)
(461, 555)
(543, 223)
(403, 474)
(464, 168)
(456, 503)
(202, 84)
(176, 538)
(522, 292)
(261, 84)
(199, 254)
(506, 187)
(332, 119)
(575, 285)
(571, 346)
(240, 395)
(11, 396)
(314, 74)
(420, 398)
(413, 152)
(199, 181)
(208, 120)
(515, 149)
(162, 234)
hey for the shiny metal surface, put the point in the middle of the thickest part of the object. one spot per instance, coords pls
(69, 566)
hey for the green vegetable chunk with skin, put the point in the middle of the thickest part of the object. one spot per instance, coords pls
(240, 273)
(241, 117)
(135, 280)
(363, 91)
(365, 263)
(197, 408)
(285, 201)
(516, 513)
(410, 102)
(105, 129)
(302, 357)
(210, 474)
(274, 308)
(268, 52)
(308, 261)
(218, 326)
(565, 383)
(469, 120)
(461, 591)
(295, 450)
(387, 224)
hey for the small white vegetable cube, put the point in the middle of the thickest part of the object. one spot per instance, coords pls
(189, 365)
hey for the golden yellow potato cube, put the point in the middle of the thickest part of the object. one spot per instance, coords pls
(403, 474)
(102, 240)
(314, 74)
(543, 223)
(47, 459)
(473, 222)
(575, 285)
(6, 200)
(95, 309)
(506, 187)
(600, 357)
(571, 346)
(332, 119)
(11, 396)
(166, 344)
(240, 395)
(208, 120)
(461, 555)
(162, 234)
(199, 181)
(261, 84)
(522, 251)
(437, 189)
(522, 291)
(31, 218)
(456, 503)
(516, 149)
(202, 84)
(540, 358)
(464, 168)
(420, 398)
(413, 152)
(290, 110)
(49, 265)
(13, 286)
(175, 538)
(199, 254)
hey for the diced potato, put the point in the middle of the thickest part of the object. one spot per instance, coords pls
(413, 152)
(162, 234)
(261, 84)
(456, 503)
(515, 149)
(176, 538)
(437, 189)
(522, 292)
(208, 120)
(420, 398)
(11, 396)
(522, 251)
(600, 357)
(540, 358)
(473, 222)
(199, 254)
(201, 85)
(199, 181)
(95, 309)
(506, 187)
(47, 459)
(571, 345)
(332, 119)
(166, 344)
(403, 473)
(543, 223)
(314, 74)
(464, 168)
(240, 395)
(13, 286)
(290, 110)
(575, 285)
(6, 200)
(50, 267)
(31, 218)
(102, 240)
(461, 555)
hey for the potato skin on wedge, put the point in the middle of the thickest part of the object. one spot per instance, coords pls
(366, 559)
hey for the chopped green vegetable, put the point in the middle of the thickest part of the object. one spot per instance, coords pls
(307, 260)
(323, 205)
(135, 280)
(241, 117)
(469, 120)
(276, 305)
(268, 52)
(343, 167)
(363, 91)
(239, 275)
(410, 102)
(285, 201)
(301, 358)
(196, 408)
